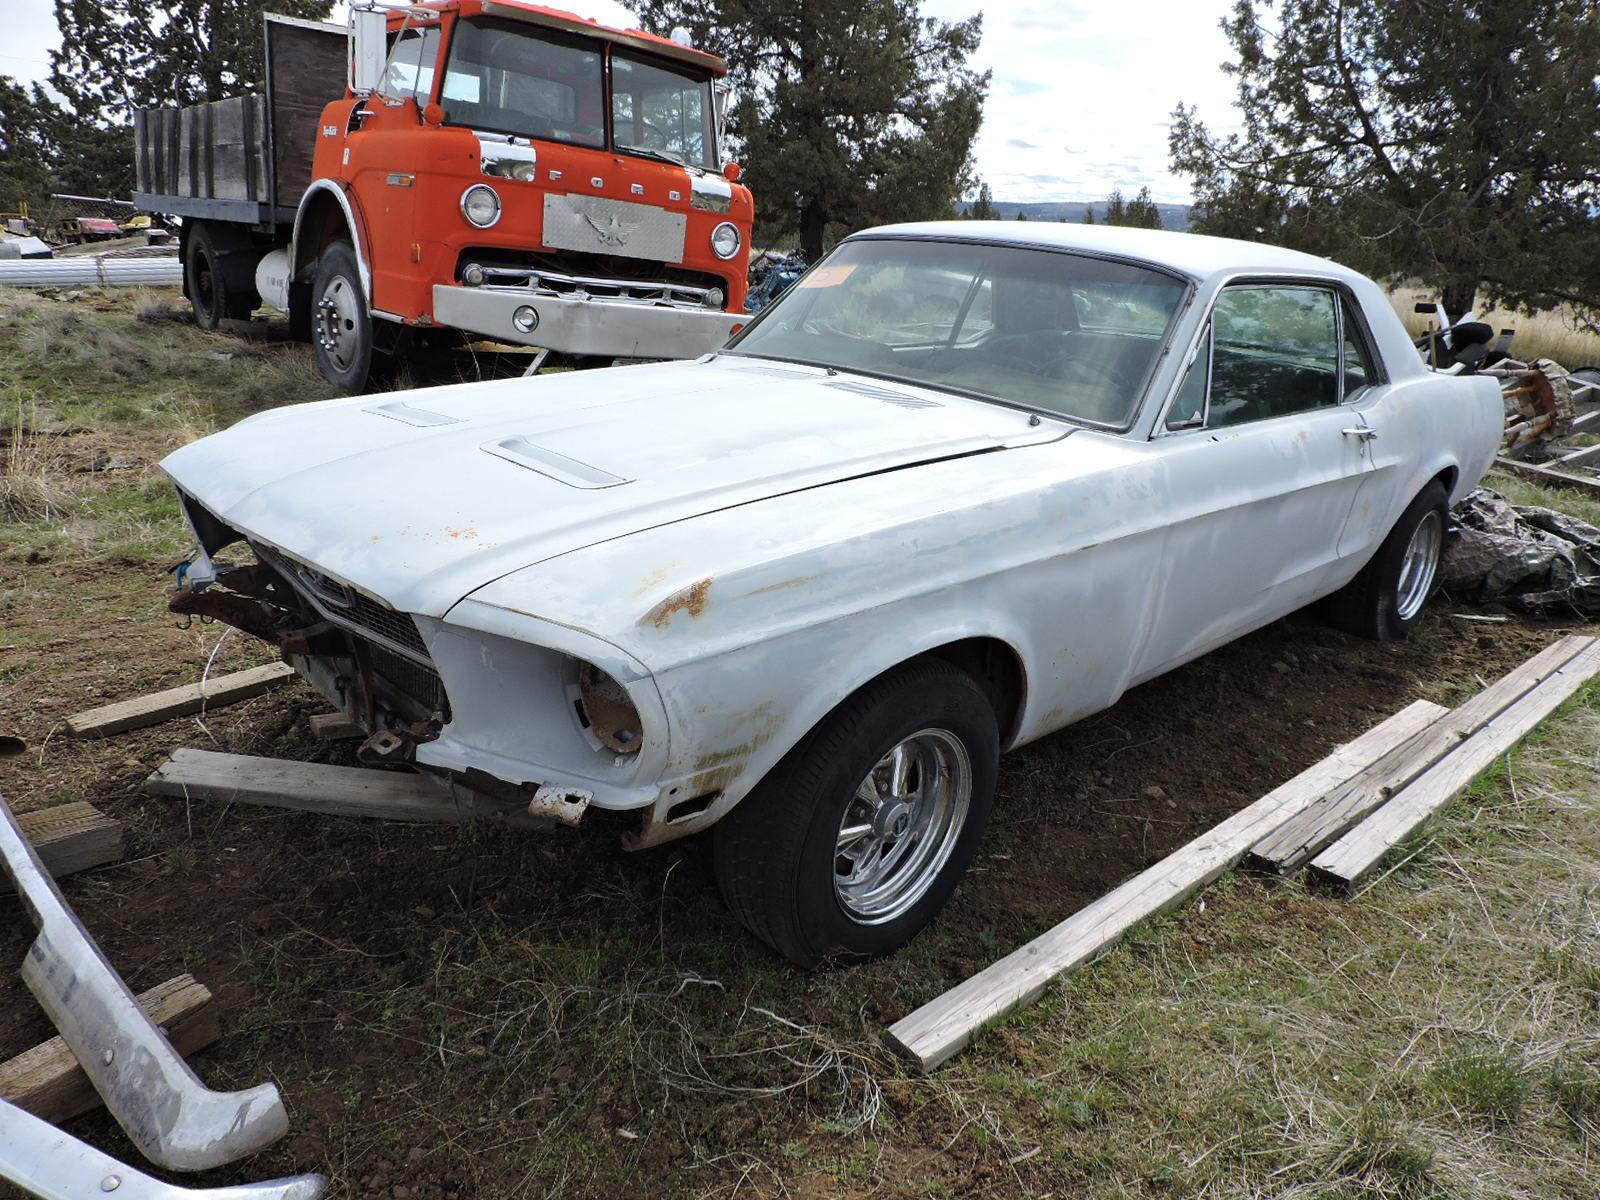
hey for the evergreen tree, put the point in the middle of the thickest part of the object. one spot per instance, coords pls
(1450, 141)
(849, 114)
(983, 209)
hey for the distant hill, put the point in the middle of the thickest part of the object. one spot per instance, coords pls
(1173, 216)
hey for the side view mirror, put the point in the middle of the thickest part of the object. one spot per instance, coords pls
(369, 49)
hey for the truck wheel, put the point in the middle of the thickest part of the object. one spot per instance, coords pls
(216, 290)
(1386, 600)
(341, 326)
(858, 837)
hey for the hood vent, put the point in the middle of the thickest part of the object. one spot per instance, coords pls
(555, 466)
(399, 410)
(887, 395)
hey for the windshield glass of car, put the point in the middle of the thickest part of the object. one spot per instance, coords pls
(659, 108)
(509, 77)
(1057, 331)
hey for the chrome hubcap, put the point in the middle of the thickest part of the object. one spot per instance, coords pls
(337, 317)
(901, 826)
(1419, 565)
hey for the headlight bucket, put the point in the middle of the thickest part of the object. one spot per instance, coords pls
(607, 711)
(725, 240)
(480, 205)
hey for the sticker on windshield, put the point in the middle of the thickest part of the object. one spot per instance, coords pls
(830, 276)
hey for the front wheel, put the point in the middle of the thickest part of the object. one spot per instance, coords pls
(858, 837)
(1386, 600)
(341, 325)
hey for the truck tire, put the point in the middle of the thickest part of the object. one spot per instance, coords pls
(857, 838)
(213, 279)
(1386, 600)
(341, 325)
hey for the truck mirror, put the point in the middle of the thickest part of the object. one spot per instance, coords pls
(369, 50)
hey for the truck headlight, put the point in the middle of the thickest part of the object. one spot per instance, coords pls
(607, 711)
(725, 240)
(480, 205)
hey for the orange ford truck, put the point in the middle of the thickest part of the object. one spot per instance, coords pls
(461, 170)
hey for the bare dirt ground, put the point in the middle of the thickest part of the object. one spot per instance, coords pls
(463, 1013)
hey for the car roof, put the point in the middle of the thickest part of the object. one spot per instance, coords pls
(1196, 255)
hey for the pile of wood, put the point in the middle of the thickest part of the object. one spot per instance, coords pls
(1341, 817)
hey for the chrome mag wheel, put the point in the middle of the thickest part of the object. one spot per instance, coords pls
(1419, 565)
(901, 826)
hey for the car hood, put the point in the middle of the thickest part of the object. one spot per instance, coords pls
(421, 497)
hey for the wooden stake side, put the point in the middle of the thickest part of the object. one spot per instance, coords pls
(1548, 476)
(178, 702)
(940, 1028)
(1347, 861)
(1299, 840)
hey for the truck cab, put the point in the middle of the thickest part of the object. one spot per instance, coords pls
(493, 169)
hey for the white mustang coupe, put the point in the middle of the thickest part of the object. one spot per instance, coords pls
(963, 485)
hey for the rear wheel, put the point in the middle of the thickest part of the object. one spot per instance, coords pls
(215, 279)
(858, 837)
(341, 325)
(1386, 600)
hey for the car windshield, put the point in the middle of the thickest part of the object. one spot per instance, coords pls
(1061, 332)
(507, 77)
(662, 109)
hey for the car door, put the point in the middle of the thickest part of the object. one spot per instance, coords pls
(1263, 461)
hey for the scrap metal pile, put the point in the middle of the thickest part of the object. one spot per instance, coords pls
(1534, 560)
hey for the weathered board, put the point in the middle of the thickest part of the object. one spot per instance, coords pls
(940, 1028)
(333, 727)
(178, 701)
(320, 788)
(1347, 861)
(1549, 476)
(48, 1082)
(213, 151)
(306, 70)
(69, 838)
(1298, 840)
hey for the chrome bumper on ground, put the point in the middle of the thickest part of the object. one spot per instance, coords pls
(44, 1162)
(173, 1118)
(590, 326)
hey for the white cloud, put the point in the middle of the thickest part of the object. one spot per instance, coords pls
(1079, 103)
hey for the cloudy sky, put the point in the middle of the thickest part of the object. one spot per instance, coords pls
(1079, 102)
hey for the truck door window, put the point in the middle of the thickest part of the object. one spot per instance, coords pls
(411, 58)
(509, 77)
(1275, 351)
(662, 110)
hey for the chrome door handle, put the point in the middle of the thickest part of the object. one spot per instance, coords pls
(1365, 432)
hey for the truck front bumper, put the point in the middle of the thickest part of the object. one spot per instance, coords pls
(173, 1118)
(589, 326)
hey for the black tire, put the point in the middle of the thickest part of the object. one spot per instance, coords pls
(1372, 604)
(341, 324)
(213, 277)
(777, 853)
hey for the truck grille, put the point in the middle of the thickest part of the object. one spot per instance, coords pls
(599, 225)
(418, 683)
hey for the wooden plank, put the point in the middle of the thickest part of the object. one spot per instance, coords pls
(70, 837)
(1352, 857)
(48, 1082)
(1578, 456)
(1548, 476)
(320, 788)
(178, 701)
(333, 727)
(940, 1028)
(1297, 841)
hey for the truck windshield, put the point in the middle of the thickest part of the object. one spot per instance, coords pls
(1060, 332)
(661, 109)
(505, 77)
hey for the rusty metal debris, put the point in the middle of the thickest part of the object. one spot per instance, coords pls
(1535, 560)
(1538, 400)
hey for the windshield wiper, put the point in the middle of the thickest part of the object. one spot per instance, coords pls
(666, 156)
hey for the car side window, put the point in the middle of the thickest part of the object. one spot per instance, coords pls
(1188, 407)
(1358, 371)
(1275, 351)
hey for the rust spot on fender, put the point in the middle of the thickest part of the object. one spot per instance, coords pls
(654, 579)
(462, 533)
(799, 581)
(691, 600)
